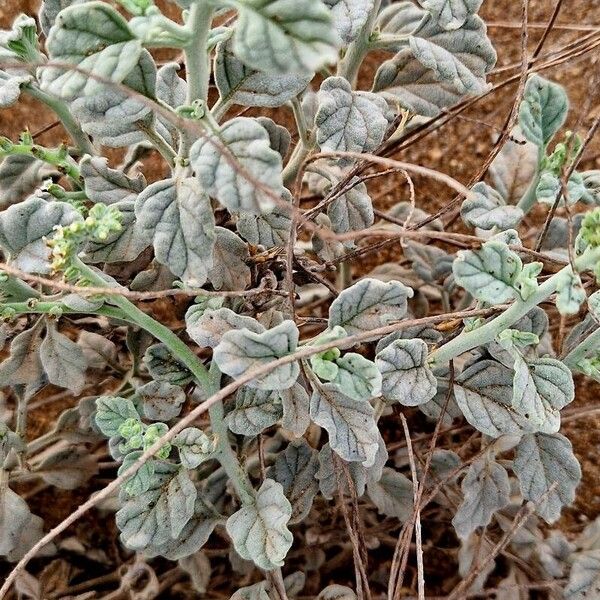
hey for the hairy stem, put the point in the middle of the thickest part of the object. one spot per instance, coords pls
(349, 65)
(196, 56)
(175, 345)
(486, 333)
(62, 112)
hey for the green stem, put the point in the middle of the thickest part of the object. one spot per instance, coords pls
(300, 152)
(196, 56)
(159, 143)
(529, 198)
(301, 124)
(349, 65)
(70, 124)
(486, 333)
(41, 308)
(224, 453)
(176, 346)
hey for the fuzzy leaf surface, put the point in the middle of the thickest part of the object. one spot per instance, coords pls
(406, 377)
(240, 84)
(486, 489)
(438, 67)
(239, 168)
(540, 461)
(352, 430)
(241, 350)
(276, 36)
(295, 469)
(347, 120)
(543, 110)
(483, 393)
(160, 513)
(259, 530)
(369, 304)
(179, 218)
(24, 226)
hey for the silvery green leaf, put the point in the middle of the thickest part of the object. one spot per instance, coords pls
(336, 592)
(192, 537)
(430, 263)
(15, 517)
(10, 87)
(20, 175)
(540, 461)
(163, 366)
(198, 568)
(351, 211)
(393, 494)
(259, 530)
(154, 277)
(295, 469)
(270, 229)
(349, 16)
(591, 184)
(95, 38)
(543, 110)
(112, 412)
(229, 270)
(352, 430)
(369, 304)
(570, 293)
(178, 216)
(399, 18)
(170, 88)
(106, 185)
(160, 400)
(141, 480)
(121, 246)
(62, 359)
(549, 189)
(424, 332)
(247, 177)
(194, 447)
(406, 378)
(24, 226)
(256, 591)
(357, 376)
(488, 210)
(49, 10)
(438, 67)
(541, 388)
(433, 409)
(279, 137)
(347, 120)
(23, 365)
(207, 327)
(331, 476)
(483, 393)
(451, 14)
(471, 553)
(276, 36)
(555, 554)
(241, 350)
(115, 117)
(486, 489)
(254, 411)
(161, 512)
(515, 167)
(296, 409)
(489, 274)
(244, 85)
(584, 579)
